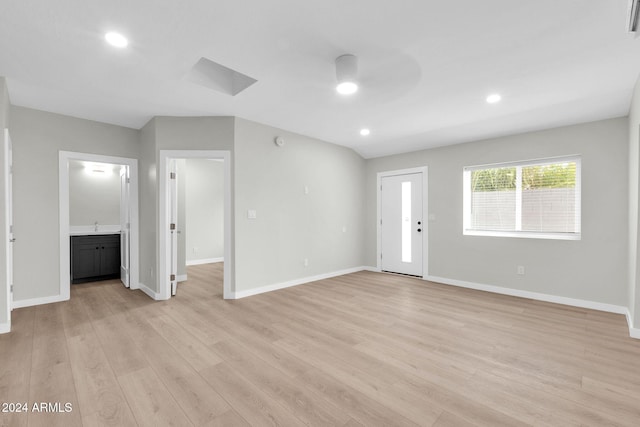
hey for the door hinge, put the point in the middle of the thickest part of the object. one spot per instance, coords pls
(172, 277)
(11, 229)
(128, 180)
(172, 175)
(11, 288)
(172, 226)
(380, 255)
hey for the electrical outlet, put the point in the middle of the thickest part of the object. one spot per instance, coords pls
(306, 262)
(521, 270)
(195, 249)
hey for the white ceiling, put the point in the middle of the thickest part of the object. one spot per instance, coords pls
(426, 66)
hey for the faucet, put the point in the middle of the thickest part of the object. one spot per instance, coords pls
(95, 226)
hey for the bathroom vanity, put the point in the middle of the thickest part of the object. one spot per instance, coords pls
(95, 257)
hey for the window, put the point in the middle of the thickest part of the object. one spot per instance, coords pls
(537, 199)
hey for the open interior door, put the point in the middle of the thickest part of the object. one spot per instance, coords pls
(125, 226)
(173, 221)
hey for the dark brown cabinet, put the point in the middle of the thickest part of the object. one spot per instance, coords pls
(95, 257)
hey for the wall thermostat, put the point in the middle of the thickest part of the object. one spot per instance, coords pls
(279, 141)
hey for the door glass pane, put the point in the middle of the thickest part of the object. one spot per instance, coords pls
(406, 221)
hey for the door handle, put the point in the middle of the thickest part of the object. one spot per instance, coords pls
(12, 240)
(419, 230)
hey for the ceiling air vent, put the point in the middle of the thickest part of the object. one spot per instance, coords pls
(218, 77)
(632, 16)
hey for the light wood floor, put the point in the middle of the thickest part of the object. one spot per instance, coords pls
(364, 349)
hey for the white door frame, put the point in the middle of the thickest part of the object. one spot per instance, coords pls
(65, 261)
(425, 215)
(164, 286)
(8, 213)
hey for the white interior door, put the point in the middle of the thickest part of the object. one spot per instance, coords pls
(173, 221)
(125, 226)
(8, 192)
(401, 224)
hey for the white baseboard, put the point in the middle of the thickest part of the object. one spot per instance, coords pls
(38, 301)
(373, 269)
(593, 305)
(295, 282)
(5, 328)
(181, 277)
(204, 261)
(611, 308)
(633, 332)
(153, 294)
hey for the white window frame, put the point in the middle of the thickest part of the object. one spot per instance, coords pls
(467, 231)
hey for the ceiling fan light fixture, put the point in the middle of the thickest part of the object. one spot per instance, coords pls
(347, 88)
(347, 74)
(116, 39)
(494, 98)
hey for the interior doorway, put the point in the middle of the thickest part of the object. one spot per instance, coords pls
(127, 212)
(168, 218)
(403, 221)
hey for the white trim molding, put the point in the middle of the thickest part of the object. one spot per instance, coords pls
(5, 328)
(181, 277)
(164, 199)
(633, 332)
(205, 261)
(64, 227)
(150, 292)
(593, 305)
(39, 301)
(295, 282)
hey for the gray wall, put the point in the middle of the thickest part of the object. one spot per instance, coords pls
(37, 138)
(204, 209)
(5, 105)
(4, 122)
(634, 189)
(148, 205)
(290, 224)
(93, 197)
(594, 268)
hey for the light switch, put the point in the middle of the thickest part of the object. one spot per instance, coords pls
(252, 214)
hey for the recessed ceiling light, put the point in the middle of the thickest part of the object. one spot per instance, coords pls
(493, 98)
(116, 39)
(347, 88)
(365, 132)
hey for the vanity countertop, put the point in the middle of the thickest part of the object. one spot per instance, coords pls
(93, 233)
(92, 230)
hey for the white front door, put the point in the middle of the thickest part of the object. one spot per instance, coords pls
(125, 226)
(401, 226)
(8, 194)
